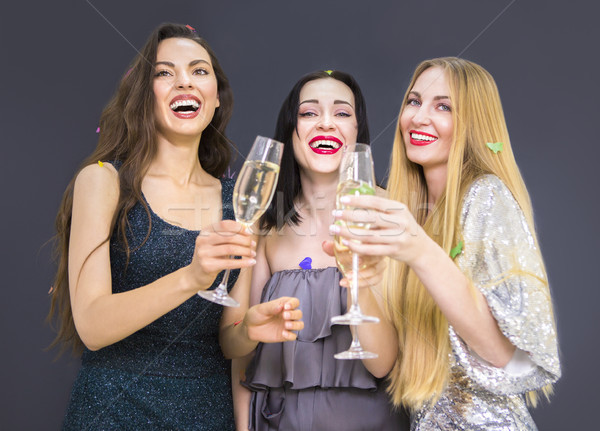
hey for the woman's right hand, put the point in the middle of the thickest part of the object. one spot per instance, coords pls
(274, 321)
(215, 250)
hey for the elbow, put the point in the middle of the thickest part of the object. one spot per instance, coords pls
(90, 338)
(90, 343)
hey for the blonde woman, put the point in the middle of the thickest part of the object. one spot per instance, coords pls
(466, 286)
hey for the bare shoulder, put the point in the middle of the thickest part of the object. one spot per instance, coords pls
(95, 184)
(97, 179)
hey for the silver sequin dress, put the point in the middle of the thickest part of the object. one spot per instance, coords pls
(502, 260)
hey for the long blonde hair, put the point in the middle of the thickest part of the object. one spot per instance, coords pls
(422, 368)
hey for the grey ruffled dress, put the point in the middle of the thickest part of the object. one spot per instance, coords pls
(502, 260)
(299, 385)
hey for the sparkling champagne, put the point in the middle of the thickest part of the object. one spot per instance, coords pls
(253, 190)
(343, 255)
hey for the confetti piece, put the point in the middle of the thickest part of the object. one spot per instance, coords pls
(363, 189)
(191, 28)
(306, 263)
(329, 72)
(98, 130)
(100, 163)
(456, 250)
(495, 147)
(128, 72)
(51, 290)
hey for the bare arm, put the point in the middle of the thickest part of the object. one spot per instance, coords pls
(395, 233)
(241, 395)
(103, 318)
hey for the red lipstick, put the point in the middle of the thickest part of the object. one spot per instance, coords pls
(318, 145)
(191, 100)
(421, 142)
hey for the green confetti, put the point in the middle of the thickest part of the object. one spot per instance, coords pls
(495, 147)
(456, 250)
(363, 189)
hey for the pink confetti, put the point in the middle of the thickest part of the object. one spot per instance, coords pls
(51, 290)
(128, 72)
(98, 130)
(191, 28)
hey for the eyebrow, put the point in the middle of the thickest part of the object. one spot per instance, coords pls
(416, 93)
(192, 63)
(335, 102)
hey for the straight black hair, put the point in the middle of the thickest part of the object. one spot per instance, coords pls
(282, 210)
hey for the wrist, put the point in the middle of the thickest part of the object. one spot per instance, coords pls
(188, 282)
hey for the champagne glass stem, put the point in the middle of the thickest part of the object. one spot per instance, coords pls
(355, 346)
(354, 287)
(219, 295)
(222, 287)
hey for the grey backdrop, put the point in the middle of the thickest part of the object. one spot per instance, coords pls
(62, 60)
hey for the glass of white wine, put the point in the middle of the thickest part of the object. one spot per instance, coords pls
(356, 178)
(252, 194)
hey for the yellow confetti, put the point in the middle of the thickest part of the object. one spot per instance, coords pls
(329, 72)
(100, 163)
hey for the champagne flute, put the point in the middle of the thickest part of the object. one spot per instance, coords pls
(356, 178)
(252, 194)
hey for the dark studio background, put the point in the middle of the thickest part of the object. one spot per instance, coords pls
(61, 62)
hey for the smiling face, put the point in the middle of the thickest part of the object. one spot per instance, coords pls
(326, 122)
(426, 121)
(185, 88)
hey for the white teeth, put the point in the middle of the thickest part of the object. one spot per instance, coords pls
(184, 102)
(325, 144)
(419, 137)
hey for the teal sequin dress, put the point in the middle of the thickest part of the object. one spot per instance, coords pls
(170, 375)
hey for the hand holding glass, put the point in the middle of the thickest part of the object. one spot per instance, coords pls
(252, 194)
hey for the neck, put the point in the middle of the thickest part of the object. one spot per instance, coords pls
(178, 159)
(435, 178)
(318, 196)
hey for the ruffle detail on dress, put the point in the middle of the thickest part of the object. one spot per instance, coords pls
(308, 362)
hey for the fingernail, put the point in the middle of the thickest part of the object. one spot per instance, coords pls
(253, 243)
(344, 241)
(252, 253)
(345, 199)
(286, 315)
(334, 228)
(252, 261)
(337, 213)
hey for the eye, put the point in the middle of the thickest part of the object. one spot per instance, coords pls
(343, 114)
(413, 102)
(444, 107)
(163, 73)
(306, 114)
(200, 71)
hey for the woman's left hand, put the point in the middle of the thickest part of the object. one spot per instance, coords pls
(393, 231)
(371, 268)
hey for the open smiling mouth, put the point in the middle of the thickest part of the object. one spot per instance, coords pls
(421, 138)
(185, 108)
(325, 145)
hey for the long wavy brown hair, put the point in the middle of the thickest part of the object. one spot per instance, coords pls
(128, 135)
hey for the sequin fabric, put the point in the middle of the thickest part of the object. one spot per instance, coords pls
(170, 374)
(502, 260)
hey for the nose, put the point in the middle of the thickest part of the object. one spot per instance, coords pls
(183, 81)
(421, 116)
(326, 122)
